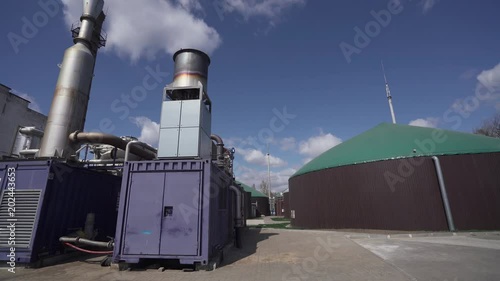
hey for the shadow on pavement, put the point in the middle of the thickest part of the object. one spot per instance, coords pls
(250, 239)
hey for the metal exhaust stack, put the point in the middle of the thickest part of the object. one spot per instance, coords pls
(69, 105)
(191, 67)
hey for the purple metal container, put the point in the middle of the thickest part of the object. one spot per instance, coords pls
(173, 210)
(53, 199)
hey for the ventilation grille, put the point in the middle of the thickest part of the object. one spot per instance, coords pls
(26, 207)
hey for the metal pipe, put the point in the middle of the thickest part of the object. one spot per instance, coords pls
(94, 137)
(81, 148)
(220, 148)
(103, 161)
(71, 96)
(89, 225)
(88, 251)
(31, 131)
(239, 198)
(136, 143)
(88, 242)
(27, 152)
(444, 194)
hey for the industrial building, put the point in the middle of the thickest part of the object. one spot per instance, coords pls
(16, 115)
(183, 206)
(278, 205)
(177, 204)
(281, 204)
(286, 204)
(399, 177)
(260, 201)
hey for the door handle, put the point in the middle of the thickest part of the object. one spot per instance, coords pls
(168, 211)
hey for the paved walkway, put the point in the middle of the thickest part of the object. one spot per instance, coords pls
(282, 254)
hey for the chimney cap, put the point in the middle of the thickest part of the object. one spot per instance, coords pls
(192, 51)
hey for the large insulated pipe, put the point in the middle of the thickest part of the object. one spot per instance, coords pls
(88, 242)
(31, 131)
(89, 225)
(220, 148)
(191, 67)
(144, 151)
(444, 194)
(131, 144)
(69, 105)
(239, 200)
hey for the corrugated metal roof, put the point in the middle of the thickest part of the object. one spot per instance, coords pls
(255, 192)
(392, 141)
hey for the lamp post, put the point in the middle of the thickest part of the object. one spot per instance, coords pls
(269, 179)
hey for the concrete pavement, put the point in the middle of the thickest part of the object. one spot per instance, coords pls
(283, 254)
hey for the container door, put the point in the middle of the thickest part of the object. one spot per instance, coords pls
(181, 214)
(143, 225)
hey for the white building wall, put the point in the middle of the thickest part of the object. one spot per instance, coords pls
(14, 113)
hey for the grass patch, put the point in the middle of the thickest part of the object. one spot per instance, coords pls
(281, 219)
(275, 225)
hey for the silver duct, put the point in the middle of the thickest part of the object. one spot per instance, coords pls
(69, 105)
(239, 220)
(220, 149)
(144, 151)
(444, 194)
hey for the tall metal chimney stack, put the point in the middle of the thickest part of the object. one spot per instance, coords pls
(69, 105)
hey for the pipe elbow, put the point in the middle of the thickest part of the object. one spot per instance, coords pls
(218, 139)
(73, 137)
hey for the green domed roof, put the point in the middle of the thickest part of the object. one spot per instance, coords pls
(392, 141)
(255, 192)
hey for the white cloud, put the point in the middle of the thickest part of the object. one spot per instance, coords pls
(487, 91)
(469, 74)
(33, 104)
(279, 179)
(270, 9)
(427, 122)
(257, 157)
(252, 152)
(316, 145)
(288, 143)
(138, 29)
(490, 78)
(150, 130)
(191, 5)
(427, 5)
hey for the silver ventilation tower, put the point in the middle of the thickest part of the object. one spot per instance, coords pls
(69, 105)
(185, 125)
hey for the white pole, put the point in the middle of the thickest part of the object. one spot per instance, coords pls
(269, 178)
(389, 97)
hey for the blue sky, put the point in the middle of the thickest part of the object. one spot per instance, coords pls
(272, 55)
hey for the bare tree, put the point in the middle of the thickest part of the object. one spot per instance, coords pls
(490, 127)
(264, 188)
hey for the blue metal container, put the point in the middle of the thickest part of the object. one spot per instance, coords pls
(173, 210)
(52, 199)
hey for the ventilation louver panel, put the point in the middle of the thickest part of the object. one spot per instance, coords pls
(26, 207)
